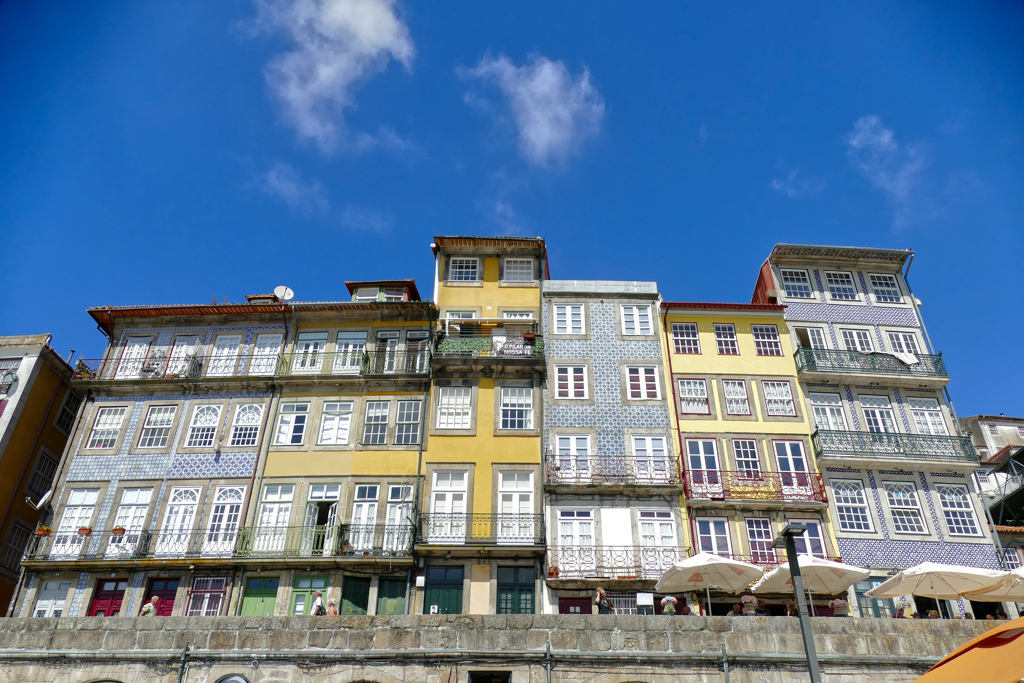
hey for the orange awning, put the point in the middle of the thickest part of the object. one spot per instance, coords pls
(996, 656)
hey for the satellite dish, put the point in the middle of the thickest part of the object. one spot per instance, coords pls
(284, 293)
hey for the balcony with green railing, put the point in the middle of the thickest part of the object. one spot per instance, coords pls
(489, 338)
(824, 364)
(354, 363)
(893, 447)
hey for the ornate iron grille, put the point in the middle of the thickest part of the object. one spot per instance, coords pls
(891, 445)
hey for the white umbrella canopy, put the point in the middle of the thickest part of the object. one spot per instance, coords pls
(704, 570)
(1010, 588)
(824, 577)
(939, 581)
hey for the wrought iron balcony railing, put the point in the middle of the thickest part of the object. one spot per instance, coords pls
(855, 362)
(347, 540)
(159, 365)
(886, 445)
(481, 529)
(591, 470)
(133, 545)
(767, 559)
(358, 363)
(475, 346)
(745, 485)
(610, 562)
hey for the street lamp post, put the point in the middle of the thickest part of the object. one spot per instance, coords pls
(787, 540)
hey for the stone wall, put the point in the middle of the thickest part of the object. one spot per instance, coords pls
(446, 649)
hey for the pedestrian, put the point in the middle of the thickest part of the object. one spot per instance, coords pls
(933, 614)
(915, 615)
(1001, 616)
(317, 609)
(762, 609)
(685, 610)
(668, 605)
(899, 613)
(601, 600)
(968, 615)
(151, 608)
(332, 609)
(990, 617)
(737, 610)
(791, 609)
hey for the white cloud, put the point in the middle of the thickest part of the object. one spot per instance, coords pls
(892, 168)
(338, 45)
(285, 183)
(553, 111)
(796, 184)
(368, 220)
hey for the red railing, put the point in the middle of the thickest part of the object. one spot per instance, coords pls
(767, 559)
(722, 485)
(610, 562)
(652, 470)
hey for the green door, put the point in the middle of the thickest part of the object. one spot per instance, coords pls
(444, 591)
(391, 596)
(355, 595)
(259, 598)
(302, 594)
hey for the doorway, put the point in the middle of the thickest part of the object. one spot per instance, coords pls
(391, 596)
(108, 598)
(260, 597)
(355, 595)
(925, 605)
(575, 606)
(444, 590)
(166, 590)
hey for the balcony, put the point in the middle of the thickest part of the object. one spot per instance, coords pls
(346, 540)
(158, 366)
(490, 338)
(769, 487)
(472, 530)
(610, 472)
(610, 563)
(373, 363)
(817, 365)
(874, 447)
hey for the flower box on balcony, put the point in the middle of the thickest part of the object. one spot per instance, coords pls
(84, 531)
(43, 531)
(118, 531)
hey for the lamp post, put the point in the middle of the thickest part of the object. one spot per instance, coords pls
(787, 540)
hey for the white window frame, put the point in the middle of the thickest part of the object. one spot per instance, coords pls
(712, 535)
(644, 376)
(876, 284)
(732, 402)
(856, 339)
(517, 315)
(657, 530)
(350, 348)
(759, 539)
(633, 322)
(42, 474)
(156, 427)
(407, 422)
(574, 375)
(903, 342)
(292, 419)
(806, 280)
(768, 399)
(807, 536)
(743, 465)
(335, 418)
(767, 341)
(203, 435)
(207, 596)
(963, 510)
(690, 398)
(726, 340)
(879, 416)
(513, 401)
(50, 602)
(828, 410)
(245, 426)
(815, 337)
(373, 424)
(463, 268)
(928, 418)
(849, 510)
(686, 338)
(68, 411)
(104, 428)
(517, 266)
(565, 318)
(904, 506)
(454, 408)
(832, 287)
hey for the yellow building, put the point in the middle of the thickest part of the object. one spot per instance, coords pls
(744, 433)
(481, 536)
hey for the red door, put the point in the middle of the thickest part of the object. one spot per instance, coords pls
(107, 600)
(165, 589)
(575, 606)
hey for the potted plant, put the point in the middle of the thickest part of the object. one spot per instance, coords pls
(840, 607)
(552, 572)
(749, 603)
(118, 530)
(84, 530)
(44, 531)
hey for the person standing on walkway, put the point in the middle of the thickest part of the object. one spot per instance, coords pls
(601, 600)
(318, 610)
(151, 608)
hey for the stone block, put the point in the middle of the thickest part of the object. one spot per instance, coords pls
(8, 639)
(564, 639)
(38, 640)
(630, 622)
(686, 641)
(405, 639)
(438, 638)
(194, 639)
(155, 640)
(495, 621)
(751, 624)
(288, 640)
(511, 639)
(359, 639)
(722, 624)
(76, 640)
(711, 641)
(382, 639)
(691, 623)
(658, 641)
(520, 621)
(595, 641)
(789, 643)
(320, 638)
(749, 642)
(149, 624)
(253, 640)
(405, 621)
(538, 640)
(545, 620)
(49, 625)
(478, 639)
(628, 641)
(577, 622)
(222, 640)
(119, 640)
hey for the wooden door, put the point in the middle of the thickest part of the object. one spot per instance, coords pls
(166, 590)
(355, 595)
(260, 597)
(391, 596)
(108, 598)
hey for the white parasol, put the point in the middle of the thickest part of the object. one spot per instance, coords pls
(704, 570)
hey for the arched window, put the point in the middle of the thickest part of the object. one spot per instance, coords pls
(233, 678)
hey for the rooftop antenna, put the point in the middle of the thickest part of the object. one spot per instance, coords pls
(284, 293)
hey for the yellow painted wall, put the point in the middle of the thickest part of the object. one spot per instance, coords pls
(490, 294)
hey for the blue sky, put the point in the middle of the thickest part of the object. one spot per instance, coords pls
(173, 152)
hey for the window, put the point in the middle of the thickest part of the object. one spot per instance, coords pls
(569, 319)
(982, 476)
(736, 402)
(42, 476)
(903, 342)
(131, 515)
(77, 514)
(516, 590)
(1020, 431)
(685, 337)
(766, 340)
(759, 536)
(878, 414)
(573, 457)
(454, 407)
(364, 516)
(657, 530)
(1011, 558)
(713, 535)
(106, 427)
(264, 355)
(747, 463)
(204, 426)
(448, 507)
(176, 537)
(133, 358)
(462, 269)
(246, 428)
(367, 293)
(375, 424)
(570, 381)
(840, 286)
(957, 509)
(851, 505)
(828, 411)
(636, 320)
(725, 337)
(811, 338)
(811, 542)
(796, 284)
(50, 599)
(576, 528)
(14, 547)
(408, 430)
(993, 429)
(68, 412)
(309, 353)
(927, 416)
(225, 352)
(779, 398)
(887, 290)
(650, 462)
(206, 596)
(517, 315)
(351, 348)
(8, 373)
(222, 533)
(904, 507)
(518, 270)
(157, 427)
(643, 382)
(693, 397)
(460, 315)
(335, 422)
(857, 340)
(515, 507)
(516, 408)
(394, 294)
(291, 424)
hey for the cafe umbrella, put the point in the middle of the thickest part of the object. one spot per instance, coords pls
(704, 570)
(824, 577)
(939, 581)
